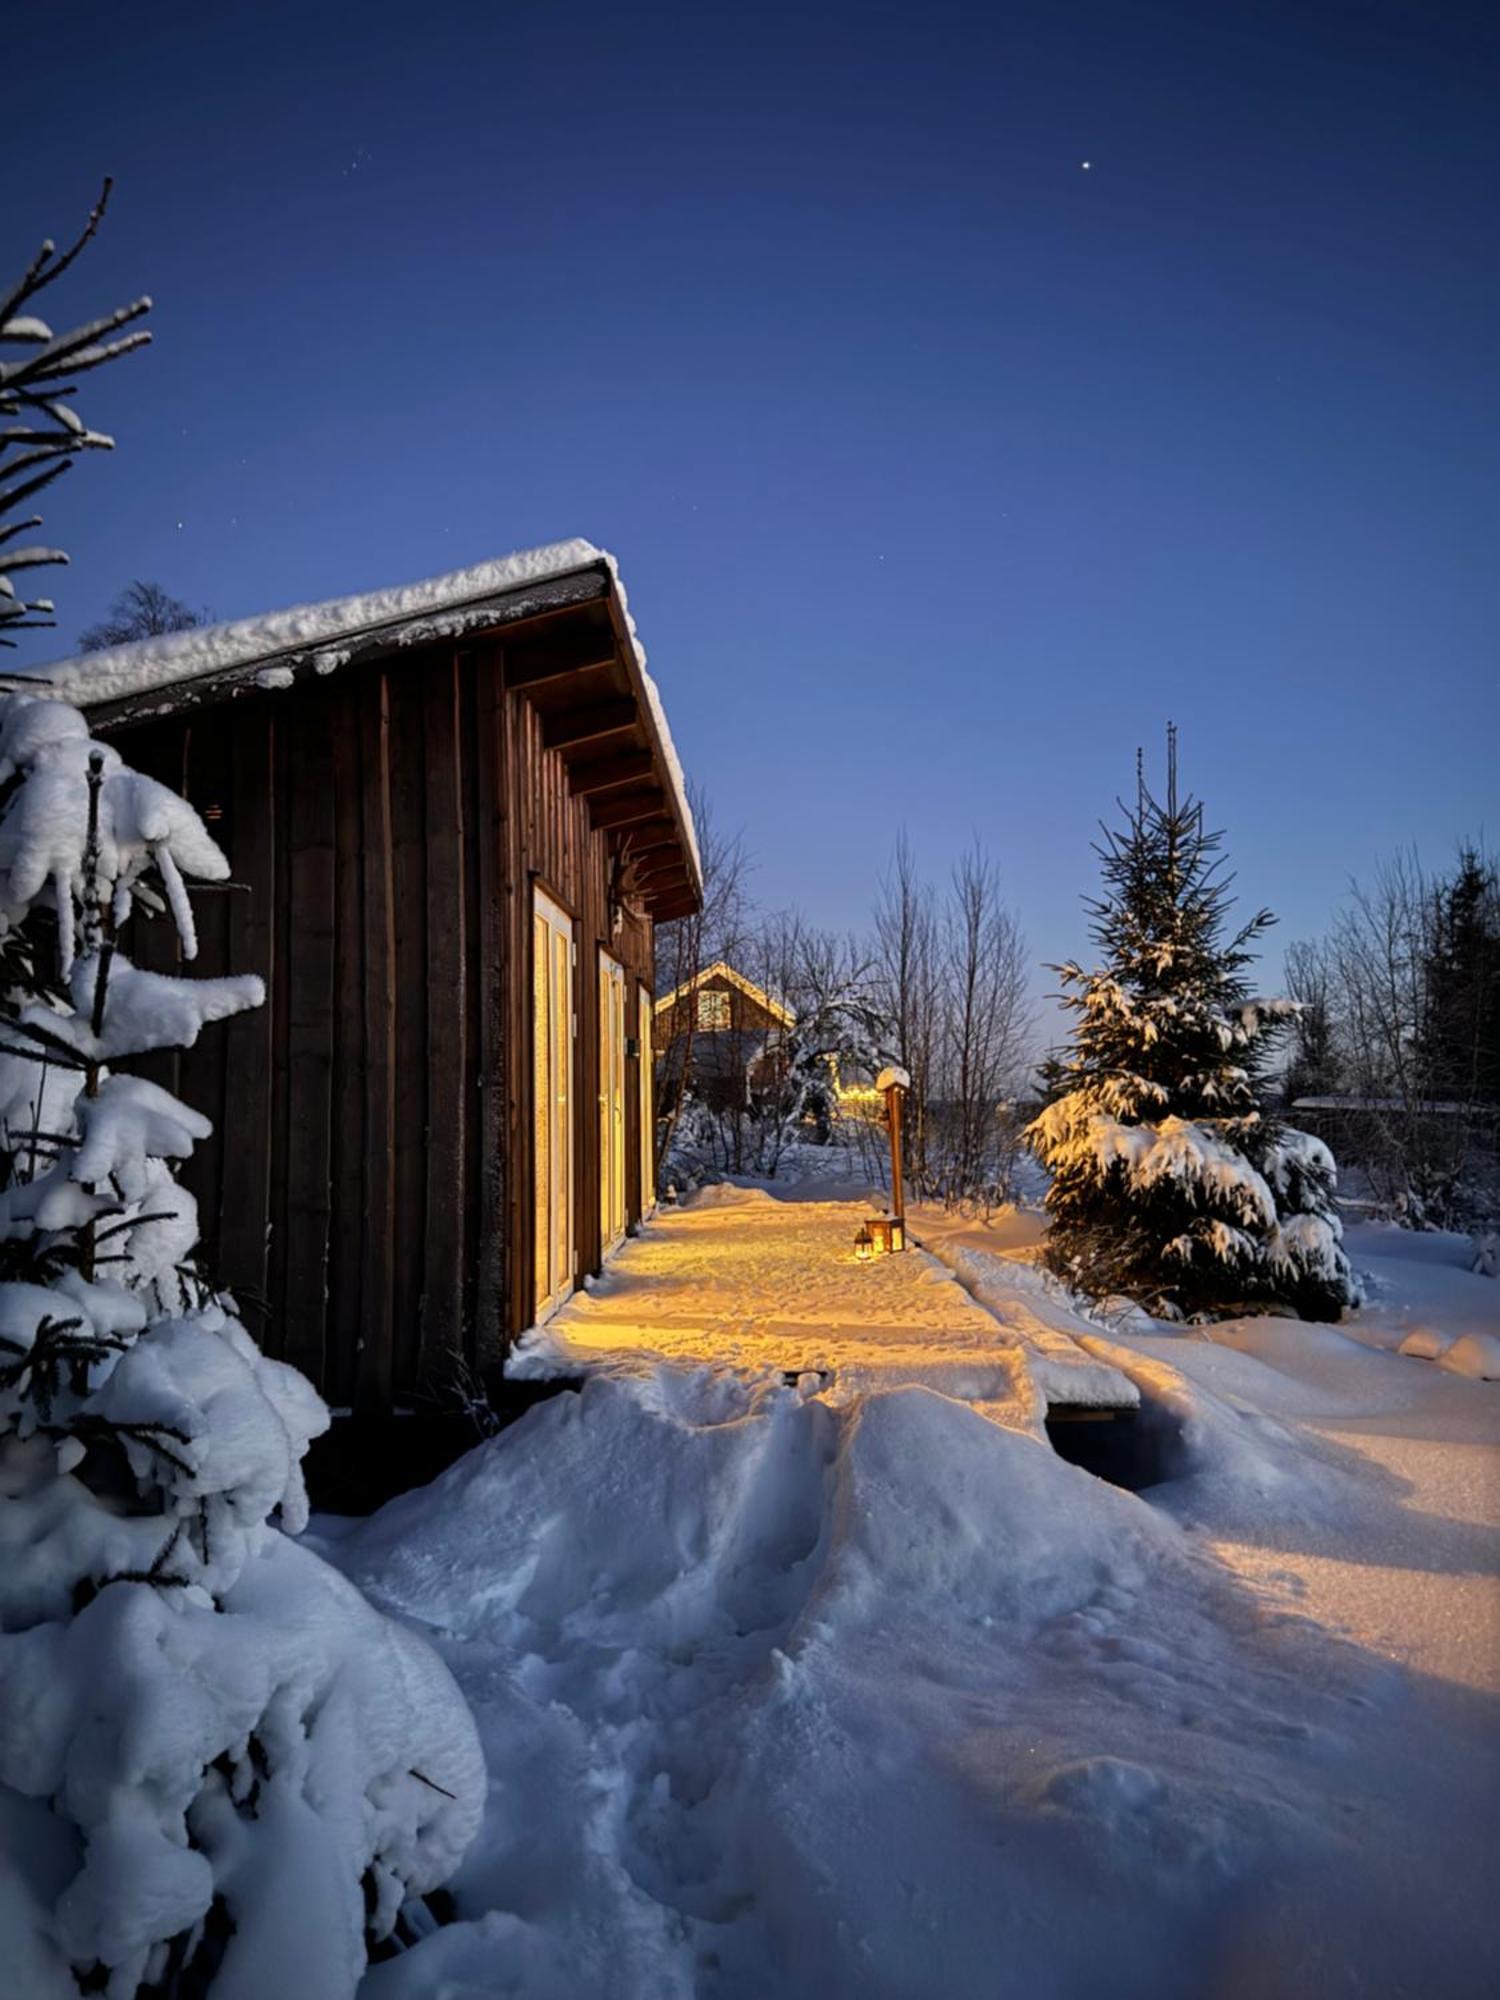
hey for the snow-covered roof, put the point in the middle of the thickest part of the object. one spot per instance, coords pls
(263, 647)
(722, 969)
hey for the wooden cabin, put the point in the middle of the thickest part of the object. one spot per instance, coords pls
(454, 817)
(726, 1031)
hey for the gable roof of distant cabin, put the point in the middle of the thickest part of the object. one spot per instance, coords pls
(268, 649)
(722, 969)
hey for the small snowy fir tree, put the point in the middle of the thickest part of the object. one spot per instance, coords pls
(220, 1770)
(1170, 1181)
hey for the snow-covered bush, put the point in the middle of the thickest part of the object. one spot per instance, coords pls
(1170, 1181)
(220, 1770)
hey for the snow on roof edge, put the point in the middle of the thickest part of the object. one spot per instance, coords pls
(659, 721)
(169, 659)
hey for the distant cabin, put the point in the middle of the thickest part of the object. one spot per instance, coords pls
(454, 818)
(727, 1032)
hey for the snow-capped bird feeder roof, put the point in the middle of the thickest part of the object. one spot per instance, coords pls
(560, 621)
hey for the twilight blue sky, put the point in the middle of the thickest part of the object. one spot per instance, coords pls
(941, 470)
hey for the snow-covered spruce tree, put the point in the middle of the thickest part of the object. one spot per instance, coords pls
(1170, 1180)
(220, 1770)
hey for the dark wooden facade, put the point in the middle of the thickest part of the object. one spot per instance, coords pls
(368, 1192)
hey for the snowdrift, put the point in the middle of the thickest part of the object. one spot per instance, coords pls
(879, 1698)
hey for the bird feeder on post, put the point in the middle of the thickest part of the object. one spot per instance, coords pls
(889, 1231)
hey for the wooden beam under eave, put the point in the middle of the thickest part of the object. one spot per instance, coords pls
(606, 774)
(667, 909)
(539, 660)
(660, 854)
(630, 810)
(651, 881)
(663, 851)
(570, 727)
(652, 833)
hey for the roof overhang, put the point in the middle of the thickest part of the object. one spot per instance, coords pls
(559, 623)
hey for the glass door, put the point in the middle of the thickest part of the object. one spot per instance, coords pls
(611, 1101)
(552, 1114)
(647, 1018)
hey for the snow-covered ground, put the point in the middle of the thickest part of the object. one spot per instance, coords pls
(849, 1685)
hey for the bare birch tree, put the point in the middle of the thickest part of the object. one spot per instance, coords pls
(143, 610)
(686, 948)
(1313, 1064)
(984, 1029)
(908, 971)
(1419, 1121)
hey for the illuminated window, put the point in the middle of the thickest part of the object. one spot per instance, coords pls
(713, 1011)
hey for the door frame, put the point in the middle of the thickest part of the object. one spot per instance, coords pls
(551, 920)
(646, 1033)
(614, 1202)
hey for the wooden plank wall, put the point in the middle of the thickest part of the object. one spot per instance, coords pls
(548, 842)
(368, 1194)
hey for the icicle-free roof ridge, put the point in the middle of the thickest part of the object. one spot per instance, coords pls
(118, 672)
(722, 969)
(658, 714)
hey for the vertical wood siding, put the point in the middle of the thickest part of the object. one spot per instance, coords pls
(368, 1193)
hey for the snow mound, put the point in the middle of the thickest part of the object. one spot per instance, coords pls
(1108, 1790)
(1476, 1355)
(681, 1504)
(935, 1503)
(1221, 1461)
(728, 1194)
(1424, 1343)
(827, 1699)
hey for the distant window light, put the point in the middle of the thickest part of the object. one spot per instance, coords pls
(713, 1011)
(211, 812)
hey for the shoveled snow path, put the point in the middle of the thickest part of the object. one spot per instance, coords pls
(741, 1279)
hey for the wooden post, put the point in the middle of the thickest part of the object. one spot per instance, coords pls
(893, 1082)
(893, 1097)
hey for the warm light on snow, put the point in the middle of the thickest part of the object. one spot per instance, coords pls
(842, 1685)
(738, 1279)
